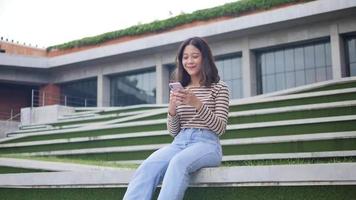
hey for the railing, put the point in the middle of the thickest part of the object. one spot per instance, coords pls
(40, 98)
(10, 115)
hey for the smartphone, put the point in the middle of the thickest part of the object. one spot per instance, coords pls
(176, 86)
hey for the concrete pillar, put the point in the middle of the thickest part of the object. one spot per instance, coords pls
(337, 53)
(162, 80)
(103, 88)
(249, 78)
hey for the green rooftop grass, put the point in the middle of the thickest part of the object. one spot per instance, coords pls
(232, 9)
(331, 192)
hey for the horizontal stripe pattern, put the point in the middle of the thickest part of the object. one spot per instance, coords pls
(213, 114)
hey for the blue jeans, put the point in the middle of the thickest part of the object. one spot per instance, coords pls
(191, 150)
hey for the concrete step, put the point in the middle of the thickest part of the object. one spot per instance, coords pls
(282, 175)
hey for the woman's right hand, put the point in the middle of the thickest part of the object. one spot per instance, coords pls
(173, 102)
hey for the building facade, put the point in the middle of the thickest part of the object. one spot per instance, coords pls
(256, 54)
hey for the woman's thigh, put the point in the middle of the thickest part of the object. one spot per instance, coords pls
(198, 155)
(164, 154)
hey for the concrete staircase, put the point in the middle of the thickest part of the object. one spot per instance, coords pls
(295, 141)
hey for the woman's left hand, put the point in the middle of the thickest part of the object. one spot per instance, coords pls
(188, 97)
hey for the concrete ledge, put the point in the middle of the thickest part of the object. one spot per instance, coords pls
(305, 174)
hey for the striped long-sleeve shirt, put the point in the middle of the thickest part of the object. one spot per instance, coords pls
(213, 114)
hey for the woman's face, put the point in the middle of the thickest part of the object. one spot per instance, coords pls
(192, 60)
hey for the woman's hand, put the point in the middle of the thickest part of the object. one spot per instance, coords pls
(173, 102)
(186, 97)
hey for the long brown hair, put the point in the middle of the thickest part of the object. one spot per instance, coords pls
(209, 71)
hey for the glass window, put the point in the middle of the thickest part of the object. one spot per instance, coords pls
(230, 72)
(290, 80)
(79, 93)
(270, 83)
(351, 55)
(289, 67)
(299, 58)
(309, 57)
(270, 65)
(279, 62)
(289, 60)
(280, 81)
(320, 74)
(310, 76)
(320, 59)
(133, 88)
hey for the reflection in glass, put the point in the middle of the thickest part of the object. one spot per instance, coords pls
(351, 55)
(293, 66)
(81, 93)
(231, 73)
(134, 88)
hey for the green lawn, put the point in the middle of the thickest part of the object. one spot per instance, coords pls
(340, 192)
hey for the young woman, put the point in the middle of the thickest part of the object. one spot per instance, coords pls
(197, 116)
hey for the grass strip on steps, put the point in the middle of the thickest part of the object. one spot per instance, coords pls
(10, 170)
(131, 110)
(288, 161)
(73, 161)
(292, 147)
(230, 134)
(91, 144)
(241, 133)
(112, 156)
(291, 129)
(91, 133)
(160, 116)
(330, 192)
(285, 147)
(332, 87)
(83, 121)
(304, 114)
(290, 102)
